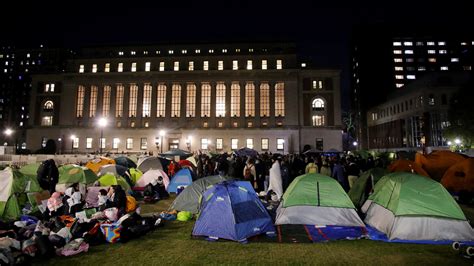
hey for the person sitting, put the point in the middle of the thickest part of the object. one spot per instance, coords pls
(103, 198)
(118, 199)
(73, 199)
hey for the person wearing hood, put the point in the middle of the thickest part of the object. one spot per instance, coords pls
(118, 199)
(275, 182)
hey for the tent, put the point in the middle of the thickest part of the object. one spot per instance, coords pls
(412, 207)
(30, 169)
(177, 152)
(147, 163)
(231, 210)
(96, 163)
(152, 176)
(70, 174)
(246, 152)
(182, 178)
(364, 185)
(438, 162)
(125, 161)
(314, 199)
(408, 166)
(117, 170)
(135, 175)
(460, 177)
(188, 199)
(15, 191)
(110, 179)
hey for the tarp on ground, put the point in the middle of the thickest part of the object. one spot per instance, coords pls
(188, 199)
(408, 166)
(231, 210)
(364, 185)
(182, 178)
(460, 177)
(438, 162)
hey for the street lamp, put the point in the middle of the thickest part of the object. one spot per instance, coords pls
(60, 145)
(457, 141)
(188, 142)
(73, 138)
(8, 132)
(162, 134)
(102, 124)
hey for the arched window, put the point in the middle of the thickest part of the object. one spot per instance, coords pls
(48, 105)
(318, 104)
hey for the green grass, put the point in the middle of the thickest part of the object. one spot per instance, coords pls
(172, 244)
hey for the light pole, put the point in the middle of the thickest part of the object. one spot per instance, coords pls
(188, 143)
(102, 124)
(162, 134)
(60, 145)
(73, 138)
(8, 132)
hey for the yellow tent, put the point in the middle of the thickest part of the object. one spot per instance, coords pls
(95, 164)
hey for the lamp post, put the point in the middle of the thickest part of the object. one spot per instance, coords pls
(102, 124)
(60, 140)
(8, 132)
(162, 134)
(73, 138)
(188, 143)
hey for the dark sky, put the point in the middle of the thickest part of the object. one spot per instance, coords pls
(321, 28)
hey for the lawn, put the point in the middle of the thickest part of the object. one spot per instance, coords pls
(172, 244)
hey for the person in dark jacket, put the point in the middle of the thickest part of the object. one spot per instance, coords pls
(48, 175)
(118, 199)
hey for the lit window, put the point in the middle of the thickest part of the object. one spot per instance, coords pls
(398, 76)
(147, 66)
(318, 120)
(162, 66)
(249, 65)
(81, 69)
(249, 99)
(93, 101)
(398, 60)
(454, 59)
(280, 144)
(397, 51)
(224, 51)
(220, 99)
(318, 104)
(463, 44)
(408, 43)
(444, 68)
(120, 67)
(106, 101)
(143, 143)
(184, 51)
(129, 145)
(176, 66)
(235, 100)
(205, 100)
(264, 100)
(265, 144)
(205, 124)
(430, 43)
(303, 64)
(431, 51)
(235, 124)
(75, 143)
(157, 52)
(134, 67)
(211, 51)
(250, 50)
(46, 88)
(88, 143)
(279, 64)
(280, 99)
(80, 101)
(94, 68)
(119, 101)
(264, 64)
(220, 65)
(421, 68)
(146, 107)
(107, 67)
(161, 100)
(237, 50)
(398, 68)
(205, 65)
(191, 100)
(170, 52)
(115, 143)
(120, 53)
(235, 65)
(48, 105)
(317, 84)
(399, 85)
(197, 51)
(145, 52)
(234, 144)
(176, 100)
(47, 120)
(219, 144)
(408, 51)
(191, 66)
(441, 43)
(249, 124)
(397, 44)
(432, 60)
(133, 52)
(132, 106)
(442, 51)
(410, 60)
(468, 68)
(411, 77)
(204, 144)
(250, 143)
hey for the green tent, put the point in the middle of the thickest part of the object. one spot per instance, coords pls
(15, 189)
(70, 174)
(110, 179)
(319, 200)
(135, 174)
(414, 207)
(30, 169)
(188, 199)
(364, 184)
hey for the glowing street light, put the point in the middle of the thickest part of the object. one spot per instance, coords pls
(457, 141)
(355, 143)
(8, 132)
(449, 143)
(102, 123)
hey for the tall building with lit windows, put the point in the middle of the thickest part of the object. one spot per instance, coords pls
(208, 97)
(397, 57)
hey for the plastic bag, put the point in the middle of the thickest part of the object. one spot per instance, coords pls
(111, 214)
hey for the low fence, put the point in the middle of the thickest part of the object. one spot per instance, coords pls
(21, 160)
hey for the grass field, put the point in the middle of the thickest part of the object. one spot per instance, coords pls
(172, 245)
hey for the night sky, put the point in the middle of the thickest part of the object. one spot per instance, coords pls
(322, 30)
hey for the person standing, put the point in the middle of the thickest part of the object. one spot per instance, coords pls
(311, 167)
(275, 182)
(250, 173)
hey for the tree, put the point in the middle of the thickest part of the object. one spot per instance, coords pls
(349, 122)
